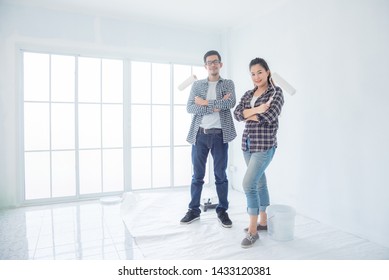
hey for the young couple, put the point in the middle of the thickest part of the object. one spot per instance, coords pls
(212, 127)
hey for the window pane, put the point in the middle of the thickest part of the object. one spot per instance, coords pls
(161, 167)
(141, 168)
(181, 73)
(161, 83)
(89, 79)
(182, 121)
(36, 126)
(182, 166)
(90, 171)
(37, 175)
(112, 80)
(200, 72)
(63, 173)
(62, 78)
(99, 119)
(112, 125)
(161, 125)
(36, 77)
(113, 170)
(140, 82)
(89, 129)
(140, 125)
(62, 126)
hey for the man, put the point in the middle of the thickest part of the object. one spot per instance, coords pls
(212, 127)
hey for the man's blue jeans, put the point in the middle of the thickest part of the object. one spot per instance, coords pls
(219, 152)
(254, 181)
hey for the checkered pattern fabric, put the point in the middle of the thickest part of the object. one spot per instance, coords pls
(262, 135)
(200, 88)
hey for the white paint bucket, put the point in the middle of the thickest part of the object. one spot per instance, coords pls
(280, 222)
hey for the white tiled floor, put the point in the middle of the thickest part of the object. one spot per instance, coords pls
(71, 231)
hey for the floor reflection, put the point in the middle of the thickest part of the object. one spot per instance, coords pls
(71, 231)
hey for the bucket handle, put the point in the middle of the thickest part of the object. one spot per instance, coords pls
(268, 218)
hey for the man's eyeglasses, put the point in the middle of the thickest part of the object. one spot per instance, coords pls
(216, 62)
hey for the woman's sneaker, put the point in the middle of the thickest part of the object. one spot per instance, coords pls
(259, 227)
(190, 217)
(249, 240)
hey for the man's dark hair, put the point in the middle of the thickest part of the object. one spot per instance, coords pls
(209, 53)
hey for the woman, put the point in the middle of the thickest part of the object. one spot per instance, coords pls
(259, 108)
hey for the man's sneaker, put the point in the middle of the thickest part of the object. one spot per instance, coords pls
(224, 219)
(249, 240)
(190, 217)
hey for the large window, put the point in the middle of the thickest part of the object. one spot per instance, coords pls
(73, 125)
(76, 129)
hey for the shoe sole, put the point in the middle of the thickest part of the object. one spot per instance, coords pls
(247, 246)
(223, 225)
(191, 221)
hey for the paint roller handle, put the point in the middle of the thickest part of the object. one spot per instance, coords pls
(274, 88)
(269, 101)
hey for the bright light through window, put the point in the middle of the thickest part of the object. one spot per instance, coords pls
(82, 113)
(73, 126)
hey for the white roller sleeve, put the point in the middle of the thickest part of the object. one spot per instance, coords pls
(283, 84)
(187, 82)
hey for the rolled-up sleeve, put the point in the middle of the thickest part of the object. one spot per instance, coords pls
(192, 107)
(228, 87)
(275, 108)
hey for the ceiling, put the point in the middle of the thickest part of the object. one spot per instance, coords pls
(202, 14)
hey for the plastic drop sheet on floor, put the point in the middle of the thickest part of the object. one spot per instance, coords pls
(153, 220)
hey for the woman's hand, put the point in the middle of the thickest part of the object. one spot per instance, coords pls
(262, 108)
(256, 110)
(252, 118)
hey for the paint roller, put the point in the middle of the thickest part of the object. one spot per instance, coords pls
(187, 82)
(282, 83)
(275, 77)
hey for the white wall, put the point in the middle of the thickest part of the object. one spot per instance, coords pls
(65, 32)
(332, 160)
(331, 163)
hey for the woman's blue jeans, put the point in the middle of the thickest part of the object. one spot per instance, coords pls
(206, 143)
(254, 181)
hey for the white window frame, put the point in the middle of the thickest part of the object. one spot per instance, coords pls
(127, 147)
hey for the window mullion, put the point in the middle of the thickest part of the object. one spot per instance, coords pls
(50, 133)
(127, 126)
(151, 128)
(171, 126)
(101, 126)
(76, 127)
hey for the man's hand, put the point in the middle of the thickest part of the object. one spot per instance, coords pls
(227, 96)
(204, 102)
(200, 101)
